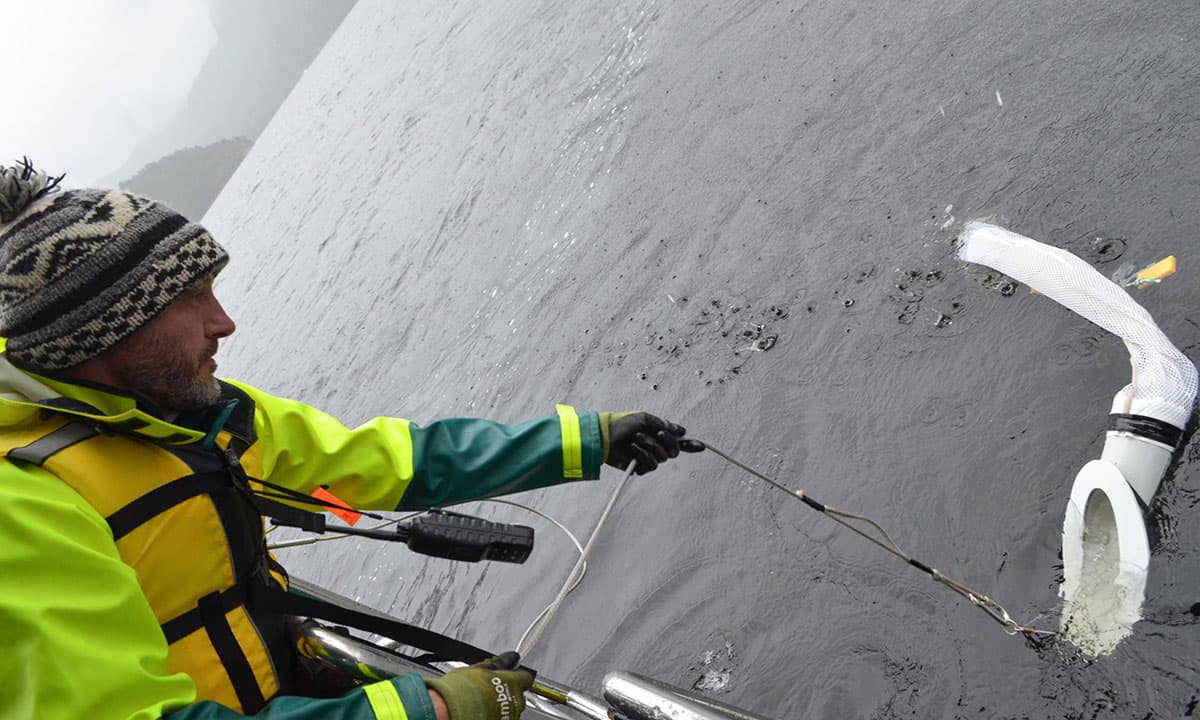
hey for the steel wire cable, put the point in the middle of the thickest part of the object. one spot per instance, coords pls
(989, 606)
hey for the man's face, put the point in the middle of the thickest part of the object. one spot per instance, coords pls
(170, 359)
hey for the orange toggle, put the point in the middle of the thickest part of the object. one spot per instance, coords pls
(343, 510)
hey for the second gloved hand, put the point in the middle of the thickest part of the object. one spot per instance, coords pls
(484, 691)
(643, 437)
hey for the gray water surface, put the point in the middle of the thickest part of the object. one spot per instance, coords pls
(740, 215)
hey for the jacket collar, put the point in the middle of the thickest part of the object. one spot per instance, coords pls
(24, 393)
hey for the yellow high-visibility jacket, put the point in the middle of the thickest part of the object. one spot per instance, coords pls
(127, 543)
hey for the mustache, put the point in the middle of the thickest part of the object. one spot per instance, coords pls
(209, 350)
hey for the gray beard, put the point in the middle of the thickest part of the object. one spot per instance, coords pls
(175, 392)
(155, 371)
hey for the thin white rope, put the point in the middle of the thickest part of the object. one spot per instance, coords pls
(573, 579)
(534, 633)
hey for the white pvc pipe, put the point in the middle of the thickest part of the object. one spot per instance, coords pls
(1106, 551)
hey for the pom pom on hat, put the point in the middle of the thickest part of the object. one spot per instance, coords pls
(20, 185)
(81, 270)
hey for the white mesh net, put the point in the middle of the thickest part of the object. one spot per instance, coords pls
(1164, 380)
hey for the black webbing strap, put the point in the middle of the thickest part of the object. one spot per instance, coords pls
(211, 609)
(189, 622)
(287, 515)
(440, 647)
(164, 498)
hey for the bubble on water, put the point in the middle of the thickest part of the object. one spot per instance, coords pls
(716, 669)
(712, 681)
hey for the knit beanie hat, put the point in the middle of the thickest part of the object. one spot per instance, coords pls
(81, 270)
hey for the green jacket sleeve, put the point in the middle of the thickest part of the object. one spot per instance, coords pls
(401, 698)
(392, 463)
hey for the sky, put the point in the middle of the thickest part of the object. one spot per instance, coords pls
(86, 80)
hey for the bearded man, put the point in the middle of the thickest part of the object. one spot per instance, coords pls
(132, 547)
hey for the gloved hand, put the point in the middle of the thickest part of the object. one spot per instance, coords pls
(484, 691)
(643, 437)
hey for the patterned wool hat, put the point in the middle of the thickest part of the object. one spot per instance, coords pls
(83, 269)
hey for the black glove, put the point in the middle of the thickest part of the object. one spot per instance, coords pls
(643, 437)
(490, 690)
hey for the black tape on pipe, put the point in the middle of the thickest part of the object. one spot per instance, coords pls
(1146, 427)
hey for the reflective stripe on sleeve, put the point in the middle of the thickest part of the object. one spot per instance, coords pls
(572, 441)
(406, 455)
(385, 701)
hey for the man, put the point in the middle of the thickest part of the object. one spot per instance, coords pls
(131, 479)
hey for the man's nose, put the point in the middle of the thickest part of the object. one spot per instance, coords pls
(220, 324)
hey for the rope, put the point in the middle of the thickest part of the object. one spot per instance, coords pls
(572, 581)
(881, 538)
(534, 633)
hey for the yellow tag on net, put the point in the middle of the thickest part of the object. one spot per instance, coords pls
(1159, 270)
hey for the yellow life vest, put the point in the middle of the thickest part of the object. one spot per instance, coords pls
(182, 518)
